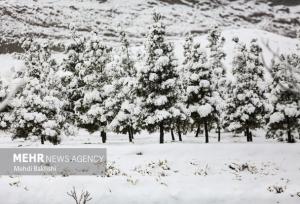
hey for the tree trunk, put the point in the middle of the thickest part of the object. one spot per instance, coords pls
(172, 134)
(192, 127)
(55, 140)
(198, 130)
(132, 134)
(249, 135)
(42, 139)
(161, 135)
(129, 135)
(179, 133)
(219, 132)
(290, 138)
(206, 132)
(103, 136)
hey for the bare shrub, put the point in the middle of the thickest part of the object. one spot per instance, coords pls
(82, 199)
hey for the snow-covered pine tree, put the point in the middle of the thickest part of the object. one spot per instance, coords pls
(37, 107)
(283, 121)
(198, 86)
(187, 50)
(157, 80)
(184, 80)
(84, 78)
(215, 62)
(72, 76)
(121, 99)
(88, 88)
(180, 121)
(6, 116)
(246, 101)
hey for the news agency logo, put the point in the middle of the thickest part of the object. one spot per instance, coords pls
(26, 157)
(53, 161)
(38, 158)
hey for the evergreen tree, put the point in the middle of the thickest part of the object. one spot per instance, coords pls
(90, 109)
(246, 102)
(198, 86)
(283, 121)
(215, 58)
(122, 98)
(84, 79)
(157, 80)
(180, 121)
(72, 76)
(37, 107)
(184, 78)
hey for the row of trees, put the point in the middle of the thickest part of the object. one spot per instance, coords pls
(103, 89)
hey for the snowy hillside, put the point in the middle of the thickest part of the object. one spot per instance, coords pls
(53, 19)
(278, 43)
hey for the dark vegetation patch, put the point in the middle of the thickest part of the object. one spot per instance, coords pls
(285, 2)
(10, 47)
(186, 2)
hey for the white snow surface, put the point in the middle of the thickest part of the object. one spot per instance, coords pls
(189, 172)
(9, 64)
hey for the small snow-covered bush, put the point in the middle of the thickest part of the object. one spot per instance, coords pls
(132, 180)
(277, 189)
(243, 167)
(160, 168)
(201, 171)
(112, 170)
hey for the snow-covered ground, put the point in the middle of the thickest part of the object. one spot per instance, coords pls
(8, 65)
(232, 171)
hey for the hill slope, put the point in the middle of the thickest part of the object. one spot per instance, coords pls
(52, 18)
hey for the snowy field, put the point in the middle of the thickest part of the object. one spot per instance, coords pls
(232, 171)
